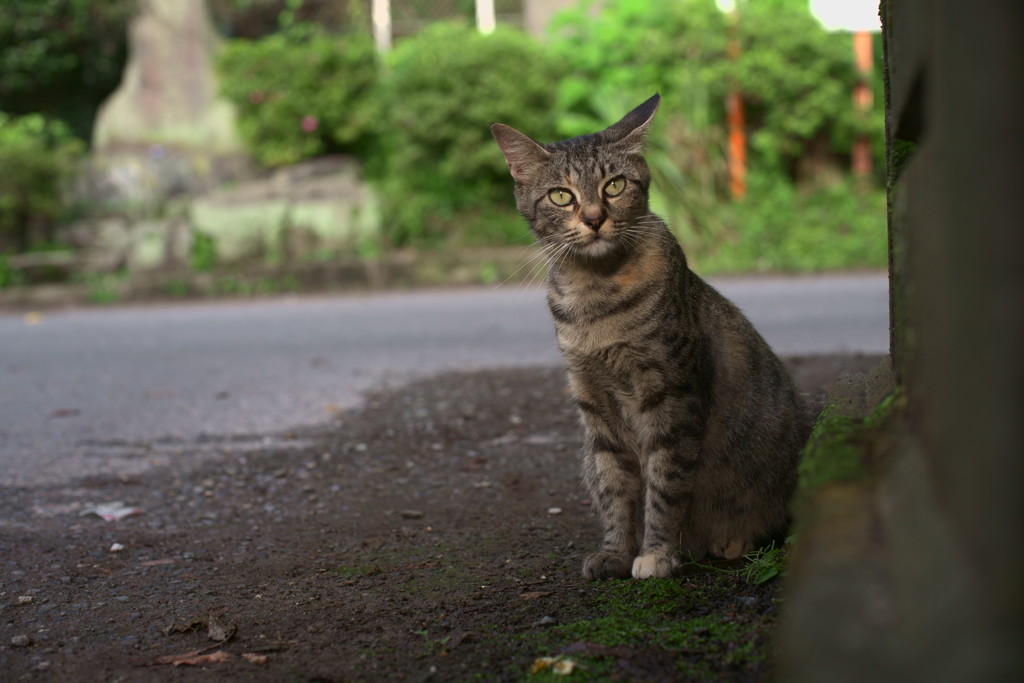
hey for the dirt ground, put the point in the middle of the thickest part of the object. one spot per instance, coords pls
(435, 533)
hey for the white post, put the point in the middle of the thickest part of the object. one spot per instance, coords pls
(381, 15)
(485, 20)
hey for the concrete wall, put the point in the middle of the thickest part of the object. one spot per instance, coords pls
(916, 571)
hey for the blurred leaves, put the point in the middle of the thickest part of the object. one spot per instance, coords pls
(37, 158)
(418, 118)
(442, 90)
(62, 57)
(302, 92)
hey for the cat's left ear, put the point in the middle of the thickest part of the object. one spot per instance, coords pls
(522, 154)
(629, 133)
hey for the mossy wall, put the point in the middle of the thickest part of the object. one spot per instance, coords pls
(911, 568)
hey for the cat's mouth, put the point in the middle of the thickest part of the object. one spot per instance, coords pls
(596, 243)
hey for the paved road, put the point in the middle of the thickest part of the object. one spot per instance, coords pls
(116, 390)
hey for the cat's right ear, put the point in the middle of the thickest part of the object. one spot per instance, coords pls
(522, 154)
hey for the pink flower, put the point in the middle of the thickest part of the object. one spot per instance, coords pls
(309, 123)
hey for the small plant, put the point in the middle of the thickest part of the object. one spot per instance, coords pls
(764, 564)
(759, 566)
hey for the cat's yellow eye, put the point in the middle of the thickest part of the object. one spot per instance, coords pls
(615, 186)
(560, 197)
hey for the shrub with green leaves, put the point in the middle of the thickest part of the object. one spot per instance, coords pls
(37, 158)
(441, 174)
(302, 92)
(779, 227)
(796, 78)
(631, 49)
(62, 58)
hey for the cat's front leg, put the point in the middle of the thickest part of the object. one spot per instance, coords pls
(613, 477)
(667, 474)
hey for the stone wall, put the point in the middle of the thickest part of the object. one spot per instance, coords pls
(316, 207)
(916, 570)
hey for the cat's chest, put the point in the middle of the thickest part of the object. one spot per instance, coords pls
(590, 320)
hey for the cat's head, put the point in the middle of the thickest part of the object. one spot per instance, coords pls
(585, 193)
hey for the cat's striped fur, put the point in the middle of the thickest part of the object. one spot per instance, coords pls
(692, 425)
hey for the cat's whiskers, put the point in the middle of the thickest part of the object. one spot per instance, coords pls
(551, 252)
(538, 254)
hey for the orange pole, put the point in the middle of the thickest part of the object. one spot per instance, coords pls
(860, 163)
(737, 146)
(735, 120)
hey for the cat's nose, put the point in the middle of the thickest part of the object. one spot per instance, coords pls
(593, 218)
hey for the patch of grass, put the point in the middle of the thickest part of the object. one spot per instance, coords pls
(680, 620)
(764, 564)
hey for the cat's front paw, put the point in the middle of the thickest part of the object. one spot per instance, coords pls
(654, 566)
(606, 565)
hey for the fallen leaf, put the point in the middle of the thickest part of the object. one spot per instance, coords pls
(533, 595)
(217, 631)
(561, 666)
(194, 658)
(184, 626)
(112, 512)
(373, 543)
(541, 664)
(254, 658)
(157, 563)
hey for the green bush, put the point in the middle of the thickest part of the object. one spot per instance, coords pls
(796, 81)
(62, 58)
(778, 227)
(302, 93)
(631, 49)
(37, 158)
(440, 173)
(796, 78)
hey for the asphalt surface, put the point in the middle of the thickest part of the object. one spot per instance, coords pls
(118, 390)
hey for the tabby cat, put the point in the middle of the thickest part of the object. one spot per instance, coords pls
(692, 427)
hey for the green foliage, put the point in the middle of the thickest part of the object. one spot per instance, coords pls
(62, 57)
(302, 92)
(796, 80)
(631, 49)
(203, 255)
(441, 173)
(9, 277)
(104, 288)
(37, 157)
(764, 564)
(779, 227)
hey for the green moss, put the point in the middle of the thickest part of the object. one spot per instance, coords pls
(835, 450)
(665, 618)
(900, 152)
